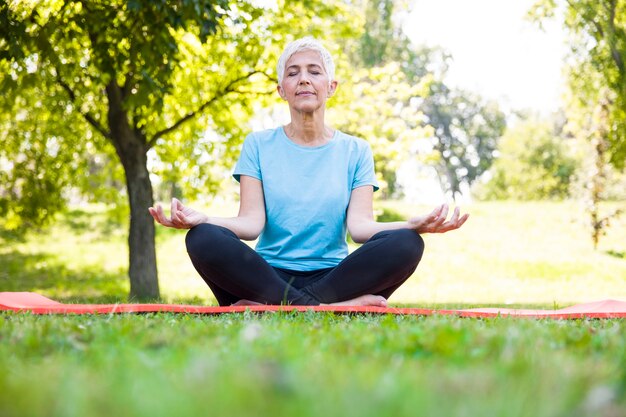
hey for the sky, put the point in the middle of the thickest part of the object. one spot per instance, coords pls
(496, 51)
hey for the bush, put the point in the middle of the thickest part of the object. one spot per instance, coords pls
(534, 164)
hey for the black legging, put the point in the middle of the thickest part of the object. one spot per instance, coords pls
(234, 271)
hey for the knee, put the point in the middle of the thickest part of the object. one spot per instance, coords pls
(201, 237)
(409, 245)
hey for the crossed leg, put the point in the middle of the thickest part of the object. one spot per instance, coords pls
(238, 275)
(378, 267)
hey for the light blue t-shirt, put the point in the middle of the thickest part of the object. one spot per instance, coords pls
(307, 191)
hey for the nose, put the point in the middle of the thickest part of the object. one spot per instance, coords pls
(304, 79)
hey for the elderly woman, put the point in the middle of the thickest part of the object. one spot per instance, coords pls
(302, 186)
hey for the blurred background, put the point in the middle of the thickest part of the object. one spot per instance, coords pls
(515, 110)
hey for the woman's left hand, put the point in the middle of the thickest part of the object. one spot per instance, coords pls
(436, 222)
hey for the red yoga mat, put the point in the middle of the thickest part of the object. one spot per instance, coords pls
(38, 304)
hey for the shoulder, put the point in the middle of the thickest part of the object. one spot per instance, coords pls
(353, 142)
(260, 139)
(264, 135)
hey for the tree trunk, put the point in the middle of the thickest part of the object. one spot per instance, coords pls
(447, 170)
(142, 270)
(131, 148)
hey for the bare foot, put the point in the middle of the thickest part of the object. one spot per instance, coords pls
(364, 300)
(244, 302)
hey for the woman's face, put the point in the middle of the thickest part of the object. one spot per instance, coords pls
(305, 83)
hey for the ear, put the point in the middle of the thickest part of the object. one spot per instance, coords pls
(281, 92)
(332, 88)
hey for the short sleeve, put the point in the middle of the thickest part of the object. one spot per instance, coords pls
(365, 174)
(248, 163)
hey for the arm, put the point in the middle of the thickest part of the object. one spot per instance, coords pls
(362, 226)
(247, 225)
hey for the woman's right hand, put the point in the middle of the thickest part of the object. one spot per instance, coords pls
(181, 217)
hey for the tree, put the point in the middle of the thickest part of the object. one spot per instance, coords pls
(404, 85)
(597, 176)
(596, 100)
(379, 104)
(466, 130)
(533, 163)
(377, 40)
(597, 62)
(380, 97)
(136, 77)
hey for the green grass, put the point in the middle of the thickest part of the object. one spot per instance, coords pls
(520, 253)
(537, 254)
(307, 364)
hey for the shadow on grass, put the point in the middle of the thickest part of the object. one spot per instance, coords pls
(78, 221)
(44, 274)
(616, 254)
(105, 223)
(13, 236)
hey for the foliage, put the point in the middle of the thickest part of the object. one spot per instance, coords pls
(463, 127)
(374, 98)
(43, 151)
(380, 99)
(533, 163)
(389, 215)
(597, 97)
(378, 104)
(141, 77)
(466, 130)
(598, 174)
(597, 63)
(596, 105)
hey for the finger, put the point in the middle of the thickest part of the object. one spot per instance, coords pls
(162, 218)
(463, 219)
(453, 225)
(434, 215)
(442, 218)
(424, 224)
(455, 215)
(173, 207)
(441, 209)
(178, 216)
(153, 213)
(179, 204)
(181, 219)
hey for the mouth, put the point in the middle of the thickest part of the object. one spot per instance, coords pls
(305, 93)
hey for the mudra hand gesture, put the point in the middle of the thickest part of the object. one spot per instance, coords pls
(181, 217)
(436, 222)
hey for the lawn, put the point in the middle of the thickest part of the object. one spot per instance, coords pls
(531, 254)
(310, 364)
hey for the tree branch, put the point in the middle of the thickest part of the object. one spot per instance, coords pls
(230, 88)
(600, 31)
(55, 61)
(615, 54)
(89, 118)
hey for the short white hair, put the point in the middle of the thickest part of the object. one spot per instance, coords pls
(307, 43)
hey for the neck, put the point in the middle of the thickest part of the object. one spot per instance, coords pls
(308, 129)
